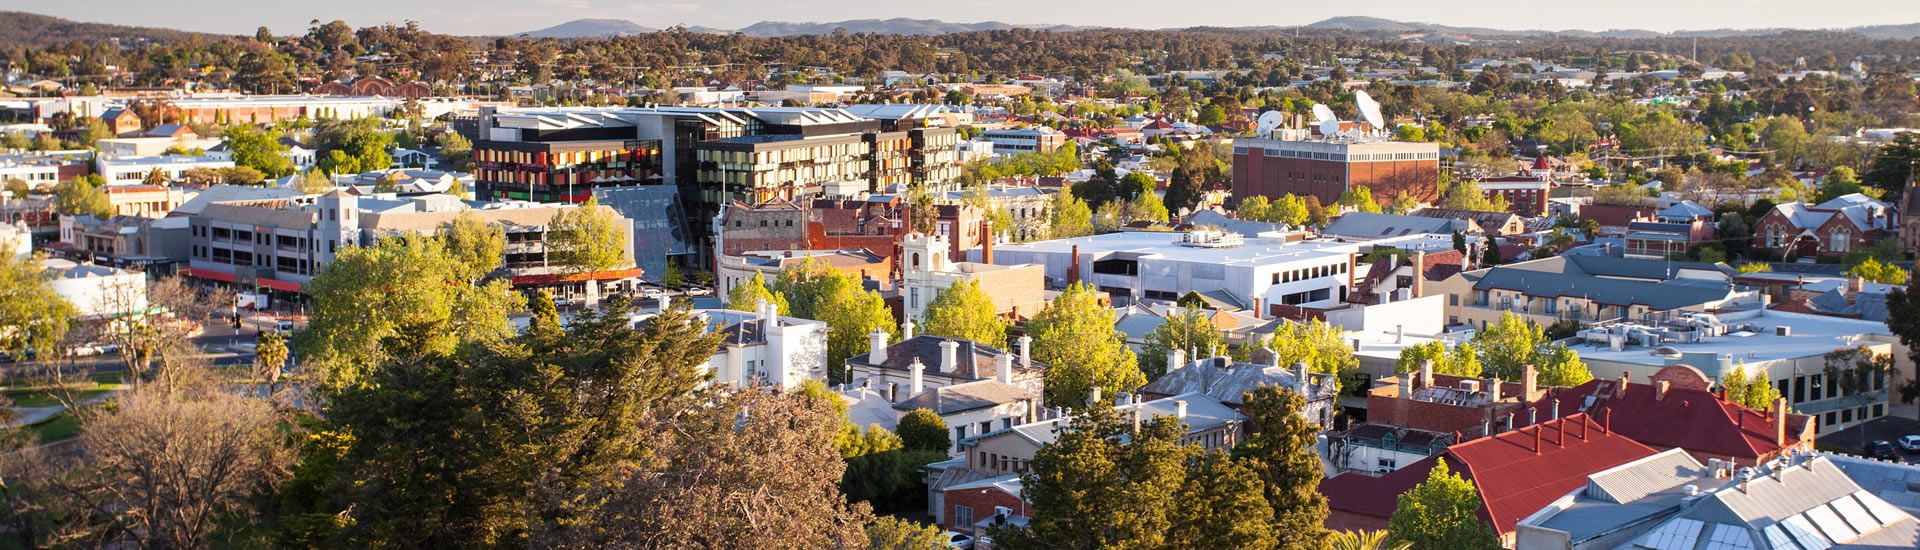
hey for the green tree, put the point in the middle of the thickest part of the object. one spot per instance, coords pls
(1092, 488)
(1321, 346)
(1069, 217)
(269, 358)
(1508, 345)
(255, 149)
(1290, 210)
(747, 296)
(352, 146)
(1360, 198)
(1223, 504)
(1443, 512)
(32, 316)
(1147, 207)
(82, 196)
(588, 239)
(1491, 255)
(456, 152)
(313, 182)
(1281, 453)
(1366, 540)
(155, 177)
(1458, 361)
(1561, 366)
(1075, 337)
(1894, 164)
(891, 533)
(1254, 208)
(1188, 330)
(405, 296)
(965, 311)
(1874, 270)
(241, 175)
(851, 312)
(1466, 195)
(1403, 203)
(923, 430)
(478, 246)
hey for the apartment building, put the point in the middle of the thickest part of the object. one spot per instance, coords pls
(1592, 288)
(278, 245)
(1258, 272)
(134, 170)
(1032, 139)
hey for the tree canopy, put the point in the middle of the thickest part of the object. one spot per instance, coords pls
(964, 311)
(1442, 512)
(1075, 337)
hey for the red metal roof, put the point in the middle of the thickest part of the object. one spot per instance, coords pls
(1692, 419)
(1514, 479)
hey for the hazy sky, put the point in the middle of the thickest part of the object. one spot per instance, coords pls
(512, 16)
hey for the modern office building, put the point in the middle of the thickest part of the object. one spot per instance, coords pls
(1035, 139)
(1300, 163)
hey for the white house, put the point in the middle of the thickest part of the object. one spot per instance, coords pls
(98, 290)
(764, 349)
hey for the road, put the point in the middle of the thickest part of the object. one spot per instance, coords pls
(224, 346)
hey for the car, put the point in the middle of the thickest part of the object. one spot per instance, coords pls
(1911, 443)
(1882, 449)
(957, 540)
(699, 291)
(286, 327)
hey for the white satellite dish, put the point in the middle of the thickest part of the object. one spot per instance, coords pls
(1369, 110)
(1329, 128)
(1322, 114)
(1268, 121)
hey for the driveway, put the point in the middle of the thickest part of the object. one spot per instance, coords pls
(1888, 428)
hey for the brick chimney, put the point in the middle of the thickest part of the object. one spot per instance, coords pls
(1176, 359)
(1073, 267)
(877, 347)
(1426, 373)
(1300, 378)
(1493, 390)
(986, 241)
(1419, 277)
(949, 356)
(1855, 286)
(1620, 388)
(1660, 393)
(1780, 421)
(1004, 370)
(1093, 396)
(1180, 409)
(906, 330)
(1529, 383)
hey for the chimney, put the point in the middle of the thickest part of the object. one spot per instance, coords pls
(1486, 427)
(1660, 391)
(1533, 415)
(765, 310)
(1426, 373)
(1537, 429)
(1493, 390)
(1406, 386)
(1855, 286)
(1026, 351)
(1300, 378)
(1620, 389)
(1419, 277)
(1093, 396)
(949, 356)
(1073, 267)
(1529, 383)
(1555, 412)
(1176, 359)
(1124, 399)
(1399, 334)
(916, 382)
(906, 330)
(1180, 409)
(877, 347)
(1780, 421)
(1004, 371)
(1258, 311)
(893, 392)
(1136, 420)
(986, 241)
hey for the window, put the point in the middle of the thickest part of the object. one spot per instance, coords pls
(986, 426)
(959, 433)
(1388, 464)
(962, 516)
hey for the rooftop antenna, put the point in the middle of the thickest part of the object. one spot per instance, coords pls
(1369, 109)
(1329, 128)
(1267, 122)
(1322, 114)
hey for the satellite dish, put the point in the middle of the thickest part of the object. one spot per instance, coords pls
(1329, 127)
(1369, 109)
(1268, 121)
(1322, 114)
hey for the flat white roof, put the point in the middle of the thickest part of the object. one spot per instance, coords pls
(1165, 246)
(1811, 336)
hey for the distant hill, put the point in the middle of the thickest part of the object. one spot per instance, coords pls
(591, 28)
(31, 29)
(1377, 25)
(875, 26)
(1894, 32)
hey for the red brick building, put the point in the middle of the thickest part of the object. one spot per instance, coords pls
(969, 507)
(1327, 168)
(1831, 228)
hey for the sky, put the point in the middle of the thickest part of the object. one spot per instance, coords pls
(495, 17)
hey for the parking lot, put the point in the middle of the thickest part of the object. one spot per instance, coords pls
(1889, 429)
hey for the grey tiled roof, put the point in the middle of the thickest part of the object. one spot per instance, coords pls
(1608, 280)
(978, 394)
(1228, 382)
(1372, 226)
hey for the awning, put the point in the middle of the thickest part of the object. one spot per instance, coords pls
(222, 276)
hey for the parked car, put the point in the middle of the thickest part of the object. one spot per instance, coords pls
(1882, 449)
(286, 327)
(957, 540)
(699, 291)
(1911, 443)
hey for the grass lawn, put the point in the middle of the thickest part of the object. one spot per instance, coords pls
(61, 428)
(41, 398)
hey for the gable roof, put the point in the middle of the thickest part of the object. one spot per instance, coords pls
(1609, 280)
(1227, 382)
(1368, 225)
(976, 361)
(1692, 419)
(967, 396)
(1514, 478)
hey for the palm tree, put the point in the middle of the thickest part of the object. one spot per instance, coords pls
(1366, 540)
